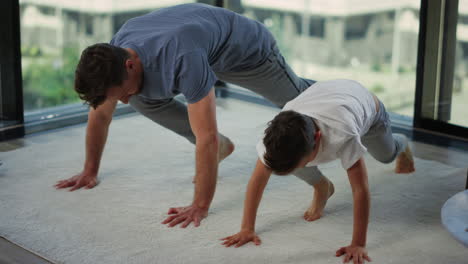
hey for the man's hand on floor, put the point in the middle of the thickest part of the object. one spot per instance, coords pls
(185, 215)
(86, 180)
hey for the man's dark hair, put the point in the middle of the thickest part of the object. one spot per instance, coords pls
(101, 66)
(289, 137)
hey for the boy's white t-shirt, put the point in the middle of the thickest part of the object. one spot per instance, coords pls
(344, 111)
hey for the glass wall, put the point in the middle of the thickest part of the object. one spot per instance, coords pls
(444, 85)
(459, 102)
(373, 42)
(53, 34)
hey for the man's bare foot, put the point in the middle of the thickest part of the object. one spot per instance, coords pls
(323, 190)
(225, 148)
(405, 162)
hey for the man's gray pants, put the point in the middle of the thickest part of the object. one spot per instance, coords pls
(273, 79)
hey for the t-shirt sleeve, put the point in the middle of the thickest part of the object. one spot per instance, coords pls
(195, 77)
(351, 151)
(261, 151)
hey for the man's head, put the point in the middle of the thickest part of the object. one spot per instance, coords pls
(106, 71)
(290, 139)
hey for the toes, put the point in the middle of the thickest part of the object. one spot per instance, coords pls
(311, 217)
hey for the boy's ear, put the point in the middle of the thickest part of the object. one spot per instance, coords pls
(317, 135)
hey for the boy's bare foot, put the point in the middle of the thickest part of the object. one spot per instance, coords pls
(323, 190)
(226, 147)
(405, 162)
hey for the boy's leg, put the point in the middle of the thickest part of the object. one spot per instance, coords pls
(172, 114)
(311, 175)
(323, 190)
(385, 146)
(273, 79)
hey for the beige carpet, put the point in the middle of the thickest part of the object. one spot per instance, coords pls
(147, 169)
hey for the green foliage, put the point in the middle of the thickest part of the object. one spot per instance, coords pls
(376, 67)
(377, 88)
(403, 69)
(31, 51)
(48, 81)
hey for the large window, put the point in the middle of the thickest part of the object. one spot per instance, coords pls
(373, 42)
(442, 93)
(53, 34)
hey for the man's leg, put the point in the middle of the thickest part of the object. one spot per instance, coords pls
(385, 146)
(172, 114)
(169, 113)
(274, 80)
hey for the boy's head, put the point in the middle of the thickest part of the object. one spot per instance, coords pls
(289, 139)
(101, 67)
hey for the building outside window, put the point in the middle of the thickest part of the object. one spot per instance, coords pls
(373, 42)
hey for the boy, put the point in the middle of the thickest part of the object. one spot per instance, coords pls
(338, 119)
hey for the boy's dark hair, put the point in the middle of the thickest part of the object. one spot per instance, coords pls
(289, 137)
(101, 66)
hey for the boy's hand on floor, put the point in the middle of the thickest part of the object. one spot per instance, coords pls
(355, 253)
(241, 238)
(186, 215)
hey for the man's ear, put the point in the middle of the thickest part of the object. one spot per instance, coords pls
(129, 64)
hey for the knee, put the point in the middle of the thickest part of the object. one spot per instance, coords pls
(387, 160)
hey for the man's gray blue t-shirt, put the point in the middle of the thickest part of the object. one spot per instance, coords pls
(181, 48)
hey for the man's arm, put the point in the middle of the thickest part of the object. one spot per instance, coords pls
(357, 175)
(255, 189)
(202, 117)
(96, 135)
(99, 120)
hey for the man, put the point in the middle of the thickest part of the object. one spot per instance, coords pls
(182, 49)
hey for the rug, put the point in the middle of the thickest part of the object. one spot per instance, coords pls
(147, 169)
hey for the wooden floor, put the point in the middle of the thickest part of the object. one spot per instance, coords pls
(13, 254)
(449, 156)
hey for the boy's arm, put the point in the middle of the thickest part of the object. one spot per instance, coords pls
(255, 188)
(357, 175)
